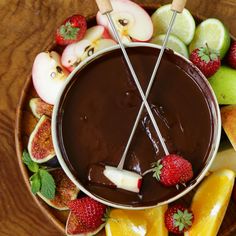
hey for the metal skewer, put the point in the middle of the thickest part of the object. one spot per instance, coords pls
(177, 7)
(105, 8)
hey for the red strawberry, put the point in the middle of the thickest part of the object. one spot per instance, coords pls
(232, 55)
(206, 60)
(178, 219)
(172, 170)
(72, 30)
(90, 212)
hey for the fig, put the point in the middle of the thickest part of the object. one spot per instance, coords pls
(40, 108)
(40, 144)
(75, 228)
(53, 163)
(65, 190)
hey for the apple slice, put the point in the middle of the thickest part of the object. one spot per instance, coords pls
(225, 158)
(113, 177)
(132, 21)
(124, 179)
(48, 75)
(223, 83)
(95, 39)
(228, 116)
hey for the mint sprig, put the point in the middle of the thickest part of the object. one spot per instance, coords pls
(48, 186)
(35, 183)
(41, 181)
(32, 166)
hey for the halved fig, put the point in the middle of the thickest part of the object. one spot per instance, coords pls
(40, 108)
(75, 228)
(40, 144)
(65, 190)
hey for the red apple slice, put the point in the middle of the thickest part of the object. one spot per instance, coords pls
(95, 39)
(123, 179)
(132, 21)
(48, 75)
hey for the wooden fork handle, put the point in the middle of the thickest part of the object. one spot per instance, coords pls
(178, 5)
(104, 6)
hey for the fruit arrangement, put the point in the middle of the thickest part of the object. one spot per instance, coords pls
(209, 47)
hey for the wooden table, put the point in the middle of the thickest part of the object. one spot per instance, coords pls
(26, 28)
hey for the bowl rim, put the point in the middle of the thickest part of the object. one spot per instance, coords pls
(210, 157)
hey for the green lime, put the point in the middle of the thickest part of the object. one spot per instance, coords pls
(173, 43)
(213, 32)
(184, 26)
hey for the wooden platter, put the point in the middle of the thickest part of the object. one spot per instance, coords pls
(25, 123)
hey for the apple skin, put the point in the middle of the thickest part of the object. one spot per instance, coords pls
(223, 83)
(48, 76)
(95, 39)
(131, 20)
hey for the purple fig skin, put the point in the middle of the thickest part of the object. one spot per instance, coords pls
(40, 144)
(53, 162)
(66, 191)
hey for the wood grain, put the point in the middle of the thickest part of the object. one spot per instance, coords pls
(26, 28)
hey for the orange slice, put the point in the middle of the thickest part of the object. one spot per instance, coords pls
(210, 203)
(137, 223)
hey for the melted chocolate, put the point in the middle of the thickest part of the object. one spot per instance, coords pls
(99, 108)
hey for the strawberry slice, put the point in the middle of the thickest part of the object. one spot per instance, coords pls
(71, 30)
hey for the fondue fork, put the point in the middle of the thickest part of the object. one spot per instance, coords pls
(177, 7)
(105, 9)
(116, 176)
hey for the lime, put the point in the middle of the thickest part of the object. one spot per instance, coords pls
(184, 26)
(213, 32)
(174, 43)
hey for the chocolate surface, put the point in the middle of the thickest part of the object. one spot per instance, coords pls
(99, 107)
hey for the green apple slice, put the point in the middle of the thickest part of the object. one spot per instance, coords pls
(184, 26)
(174, 43)
(213, 32)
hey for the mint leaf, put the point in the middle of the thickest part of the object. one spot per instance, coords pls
(35, 183)
(48, 187)
(32, 166)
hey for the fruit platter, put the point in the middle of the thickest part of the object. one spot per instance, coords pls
(189, 191)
